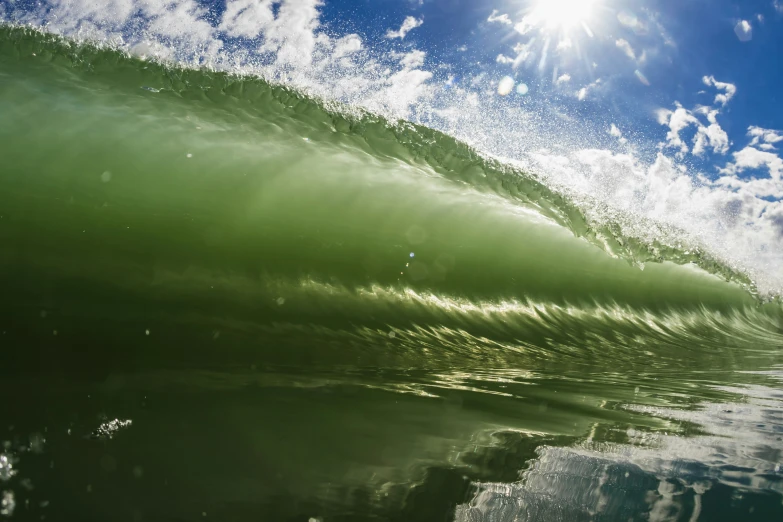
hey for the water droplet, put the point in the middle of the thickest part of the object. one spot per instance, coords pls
(107, 430)
(7, 503)
(6, 468)
(106, 177)
(280, 301)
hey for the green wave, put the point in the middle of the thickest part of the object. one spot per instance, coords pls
(415, 145)
(138, 190)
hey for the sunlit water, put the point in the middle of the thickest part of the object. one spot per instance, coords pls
(223, 301)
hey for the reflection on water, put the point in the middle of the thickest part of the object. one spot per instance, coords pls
(731, 469)
(391, 444)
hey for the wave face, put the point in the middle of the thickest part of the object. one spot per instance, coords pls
(224, 298)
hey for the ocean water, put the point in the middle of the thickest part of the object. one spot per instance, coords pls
(221, 299)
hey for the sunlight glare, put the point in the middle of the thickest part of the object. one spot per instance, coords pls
(563, 14)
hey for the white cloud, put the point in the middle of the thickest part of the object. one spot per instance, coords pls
(563, 78)
(778, 5)
(291, 35)
(625, 47)
(614, 131)
(504, 59)
(410, 23)
(662, 116)
(564, 44)
(524, 52)
(749, 158)
(499, 18)
(346, 45)
(711, 135)
(246, 18)
(477, 79)
(413, 59)
(678, 120)
(764, 138)
(524, 26)
(729, 89)
(400, 91)
(719, 140)
(585, 91)
(752, 158)
(180, 23)
(743, 30)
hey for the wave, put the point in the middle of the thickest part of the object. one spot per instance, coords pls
(632, 238)
(236, 205)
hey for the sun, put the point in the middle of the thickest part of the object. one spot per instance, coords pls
(563, 14)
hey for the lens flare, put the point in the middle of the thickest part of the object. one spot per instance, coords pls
(506, 85)
(641, 77)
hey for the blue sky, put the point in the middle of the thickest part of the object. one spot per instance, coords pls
(664, 109)
(675, 45)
